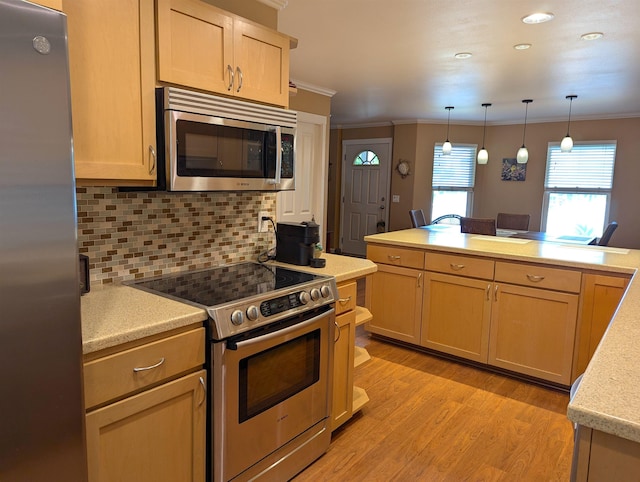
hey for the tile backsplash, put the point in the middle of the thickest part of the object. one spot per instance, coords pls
(134, 235)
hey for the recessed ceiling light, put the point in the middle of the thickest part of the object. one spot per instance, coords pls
(522, 46)
(463, 55)
(592, 36)
(539, 17)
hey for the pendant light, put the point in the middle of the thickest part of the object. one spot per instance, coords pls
(446, 147)
(523, 154)
(483, 155)
(567, 143)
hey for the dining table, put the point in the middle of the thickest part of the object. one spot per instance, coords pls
(517, 234)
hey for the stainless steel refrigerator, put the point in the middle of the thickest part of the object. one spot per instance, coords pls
(41, 401)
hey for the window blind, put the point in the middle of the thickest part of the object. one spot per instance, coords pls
(587, 166)
(457, 169)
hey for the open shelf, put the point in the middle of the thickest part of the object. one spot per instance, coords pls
(361, 355)
(362, 315)
(360, 398)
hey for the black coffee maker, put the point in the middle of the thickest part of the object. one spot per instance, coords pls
(296, 242)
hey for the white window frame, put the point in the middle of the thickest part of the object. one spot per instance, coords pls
(577, 190)
(437, 152)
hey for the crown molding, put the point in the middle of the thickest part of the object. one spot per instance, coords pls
(313, 88)
(277, 4)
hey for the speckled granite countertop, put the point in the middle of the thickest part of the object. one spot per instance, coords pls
(116, 314)
(341, 267)
(608, 398)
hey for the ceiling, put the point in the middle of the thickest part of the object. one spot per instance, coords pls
(393, 61)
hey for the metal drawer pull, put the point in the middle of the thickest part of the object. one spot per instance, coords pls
(240, 79)
(344, 301)
(142, 369)
(230, 69)
(152, 157)
(394, 258)
(335, 340)
(204, 392)
(456, 267)
(534, 278)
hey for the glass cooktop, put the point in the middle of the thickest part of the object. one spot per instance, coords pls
(225, 284)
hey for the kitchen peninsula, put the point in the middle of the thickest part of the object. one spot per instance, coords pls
(500, 273)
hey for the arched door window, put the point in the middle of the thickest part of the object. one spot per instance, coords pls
(366, 158)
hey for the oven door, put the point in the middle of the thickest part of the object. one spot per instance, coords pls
(271, 391)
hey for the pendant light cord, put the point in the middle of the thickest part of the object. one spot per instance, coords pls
(484, 131)
(448, 119)
(570, 97)
(526, 111)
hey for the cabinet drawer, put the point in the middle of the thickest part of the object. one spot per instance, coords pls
(460, 265)
(539, 276)
(408, 258)
(113, 376)
(346, 297)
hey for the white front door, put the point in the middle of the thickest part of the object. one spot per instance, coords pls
(309, 198)
(365, 191)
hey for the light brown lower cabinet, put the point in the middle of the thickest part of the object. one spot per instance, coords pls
(533, 331)
(396, 303)
(602, 457)
(158, 435)
(456, 315)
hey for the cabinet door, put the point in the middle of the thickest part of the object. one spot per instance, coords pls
(155, 436)
(601, 296)
(343, 369)
(532, 332)
(396, 303)
(195, 45)
(112, 69)
(262, 63)
(456, 315)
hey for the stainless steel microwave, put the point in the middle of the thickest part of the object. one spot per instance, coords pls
(218, 144)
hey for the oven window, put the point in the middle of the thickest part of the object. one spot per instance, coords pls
(270, 377)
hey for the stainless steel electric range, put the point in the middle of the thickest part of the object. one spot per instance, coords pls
(270, 365)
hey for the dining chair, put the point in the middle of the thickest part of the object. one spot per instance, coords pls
(478, 226)
(417, 218)
(606, 236)
(519, 222)
(447, 219)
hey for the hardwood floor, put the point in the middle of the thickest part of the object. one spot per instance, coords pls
(430, 419)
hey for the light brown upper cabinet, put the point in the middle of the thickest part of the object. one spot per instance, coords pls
(112, 68)
(205, 48)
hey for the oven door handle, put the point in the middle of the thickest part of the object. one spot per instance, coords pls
(234, 345)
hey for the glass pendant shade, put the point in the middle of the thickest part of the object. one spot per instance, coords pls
(446, 147)
(567, 143)
(483, 155)
(523, 155)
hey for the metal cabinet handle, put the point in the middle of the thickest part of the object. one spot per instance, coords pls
(495, 293)
(419, 280)
(240, 79)
(534, 278)
(335, 340)
(151, 367)
(230, 70)
(456, 267)
(204, 391)
(344, 301)
(393, 258)
(152, 157)
(488, 292)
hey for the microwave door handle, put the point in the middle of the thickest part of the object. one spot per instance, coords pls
(276, 179)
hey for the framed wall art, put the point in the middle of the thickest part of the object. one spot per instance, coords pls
(512, 171)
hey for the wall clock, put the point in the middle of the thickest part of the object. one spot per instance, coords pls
(403, 168)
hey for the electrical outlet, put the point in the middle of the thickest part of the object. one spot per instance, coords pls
(396, 198)
(263, 226)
